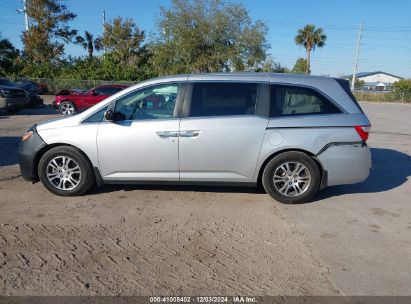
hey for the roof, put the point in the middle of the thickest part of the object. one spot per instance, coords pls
(255, 76)
(365, 74)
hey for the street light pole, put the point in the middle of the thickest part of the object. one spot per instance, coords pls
(357, 55)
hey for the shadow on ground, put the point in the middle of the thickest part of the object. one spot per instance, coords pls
(38, 110)
(9, 146)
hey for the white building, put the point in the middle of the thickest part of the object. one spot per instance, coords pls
(376, 80)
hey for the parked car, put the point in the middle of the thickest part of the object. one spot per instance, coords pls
(34, 89)
(74, 100)
(12, 99)
(293, 134)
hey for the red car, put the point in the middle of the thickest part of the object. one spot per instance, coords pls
(73, 100)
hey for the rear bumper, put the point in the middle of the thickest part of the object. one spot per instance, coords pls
(346, 163)
(27, 156)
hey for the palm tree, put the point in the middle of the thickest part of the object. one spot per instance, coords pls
(89, 44)
(310, 38)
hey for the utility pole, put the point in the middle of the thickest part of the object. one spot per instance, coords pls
(357, 55)
(26, 18)
(104, 29)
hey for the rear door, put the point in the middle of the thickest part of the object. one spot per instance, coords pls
(221, 133)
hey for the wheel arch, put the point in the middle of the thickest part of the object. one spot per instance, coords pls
(48, 147)
(323, 172)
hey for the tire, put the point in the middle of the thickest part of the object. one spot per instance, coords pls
(299, 187)
(13, 110)
(72, 183)
(67, 107)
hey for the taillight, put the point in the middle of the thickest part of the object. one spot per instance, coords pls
(363, 131)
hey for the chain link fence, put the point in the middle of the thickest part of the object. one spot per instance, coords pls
(394, 95)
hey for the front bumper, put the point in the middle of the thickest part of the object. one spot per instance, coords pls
(28, 151)
(8, 102)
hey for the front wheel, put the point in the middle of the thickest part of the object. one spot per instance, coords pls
(65, 171)
(13, 110)
(67, 108)
(291, 177)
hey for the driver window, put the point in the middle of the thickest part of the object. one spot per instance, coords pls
(156, 102)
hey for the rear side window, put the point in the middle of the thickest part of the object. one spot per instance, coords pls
(223, 99)
(293, 101)
(107, 90)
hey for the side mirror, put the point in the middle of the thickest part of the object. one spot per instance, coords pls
(93, 93)
(109, 115)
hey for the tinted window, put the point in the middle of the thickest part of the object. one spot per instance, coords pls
(107, 90)
(288, 100)
(221, 99)
(155, 102)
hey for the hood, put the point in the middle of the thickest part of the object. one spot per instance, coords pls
(71, 92)
(58, 122)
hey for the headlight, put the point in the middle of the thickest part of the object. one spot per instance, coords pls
(3, 93)
(27, 135)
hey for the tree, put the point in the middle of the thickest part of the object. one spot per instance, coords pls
(48, 31)
(271, 66)
(300, 67)
(310, 37)
(88, 43)
(207, 36)
(8, 56)
(358, 82)
(123, 39)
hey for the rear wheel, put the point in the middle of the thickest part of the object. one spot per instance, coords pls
(65, 171)
(291, 177)
(67, 108)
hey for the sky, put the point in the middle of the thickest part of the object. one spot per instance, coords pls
(385, 44)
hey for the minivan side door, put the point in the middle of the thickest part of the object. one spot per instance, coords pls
(142, 143)
(221, 132)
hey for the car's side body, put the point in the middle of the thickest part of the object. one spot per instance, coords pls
(191, 148)
(89, 98)
(12, 98)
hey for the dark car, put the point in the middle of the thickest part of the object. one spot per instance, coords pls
(12, 99)
(34, 89)
(73, 100)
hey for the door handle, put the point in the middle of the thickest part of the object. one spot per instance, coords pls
(167, 134)
(190, 133)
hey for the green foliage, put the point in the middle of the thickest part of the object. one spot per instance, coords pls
(310, 37)
(403, 84)
(358, 82)
(104, 68)
(271, 66)
(8, 58)
(300, 66)
(207, 36)
(48, 31)
(123, 39)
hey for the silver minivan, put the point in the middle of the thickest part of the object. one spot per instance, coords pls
(293, 134)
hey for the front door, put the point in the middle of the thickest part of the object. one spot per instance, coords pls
(142, 144)
(220, 139)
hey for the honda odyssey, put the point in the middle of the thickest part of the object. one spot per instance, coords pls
(293, 134)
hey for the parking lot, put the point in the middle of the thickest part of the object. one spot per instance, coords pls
(174, 240)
